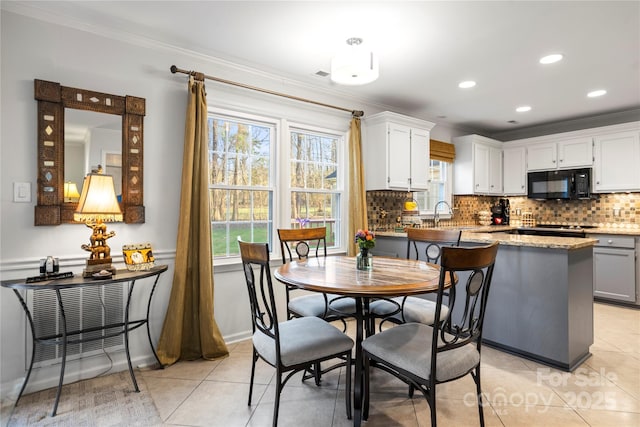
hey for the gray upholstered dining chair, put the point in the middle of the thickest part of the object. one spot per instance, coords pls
(326, 306)
(427, 241)
(293, 345)
(424, 356)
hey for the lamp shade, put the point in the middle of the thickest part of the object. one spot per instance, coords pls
(98, 201)
(71, 192)
(354, 64)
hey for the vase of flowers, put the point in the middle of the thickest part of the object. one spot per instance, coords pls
(365, 240)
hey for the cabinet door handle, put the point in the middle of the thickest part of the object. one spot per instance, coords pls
(610, 241)
(553, 161)
(597, 182)
(561, 160)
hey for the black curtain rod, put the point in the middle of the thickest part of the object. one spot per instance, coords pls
(201, 76)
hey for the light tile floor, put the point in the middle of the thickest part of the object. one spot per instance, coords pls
(604, 391)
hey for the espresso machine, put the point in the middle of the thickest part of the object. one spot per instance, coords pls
(500, 212)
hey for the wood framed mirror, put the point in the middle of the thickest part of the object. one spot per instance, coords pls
(53, 99)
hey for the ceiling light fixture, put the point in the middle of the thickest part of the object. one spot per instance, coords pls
(466, 84)
(596, 93)
(354, 65)
(523, 109)
(550, 59)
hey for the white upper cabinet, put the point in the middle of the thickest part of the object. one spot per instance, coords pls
(395, 150)
(420, 142)
(616, 164)
(542, 156)
(575, 153)
(514, 165)
(562, 154)
(477, 168)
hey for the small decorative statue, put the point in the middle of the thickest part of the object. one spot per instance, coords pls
(99, 248)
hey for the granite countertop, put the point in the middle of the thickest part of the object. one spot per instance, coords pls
(488, 234)
(548, 242)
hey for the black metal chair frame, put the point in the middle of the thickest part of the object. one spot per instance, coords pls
(265, 319)
(304, 239)
(447, 334)
(435, 240)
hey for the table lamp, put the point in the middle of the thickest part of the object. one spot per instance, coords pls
(71, 192)
(98, 204)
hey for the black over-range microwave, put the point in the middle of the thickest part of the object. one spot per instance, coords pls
(559, 184)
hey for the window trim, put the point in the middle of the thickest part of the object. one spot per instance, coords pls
(280, 173)
(428, 214)
(342, 188)
(231, 115)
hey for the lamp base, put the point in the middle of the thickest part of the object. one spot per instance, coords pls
(94, 267)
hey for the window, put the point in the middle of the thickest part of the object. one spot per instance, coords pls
(240, 181)
(440, 177)
(314, 182)
(261, 179)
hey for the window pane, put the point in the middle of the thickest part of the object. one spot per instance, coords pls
(239, 153)
(313, 160)
(315, 201)
(438, 188)
(240, 202)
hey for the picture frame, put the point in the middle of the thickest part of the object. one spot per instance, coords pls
(138, 256)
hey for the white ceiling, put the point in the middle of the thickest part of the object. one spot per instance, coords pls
(425, 49)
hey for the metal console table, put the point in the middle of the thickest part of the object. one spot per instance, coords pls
(67, 337)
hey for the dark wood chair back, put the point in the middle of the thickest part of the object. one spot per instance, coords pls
(463, 324)
(435, 240)
(301, 241)
(255, 257)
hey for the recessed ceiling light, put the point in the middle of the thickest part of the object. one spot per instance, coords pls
(523, 109)
(550, 59)
(466, 84)
(596, 93)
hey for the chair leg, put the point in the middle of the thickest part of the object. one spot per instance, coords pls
(366, 389)
(411, 390)
(316, 373)
(476, 379)
(253, 371)
(276, 403)
(432, 406)
(347, 390)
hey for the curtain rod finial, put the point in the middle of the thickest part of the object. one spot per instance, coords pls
(174, 69)
(357, 113)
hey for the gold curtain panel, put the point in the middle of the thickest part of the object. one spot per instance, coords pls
(442, 151)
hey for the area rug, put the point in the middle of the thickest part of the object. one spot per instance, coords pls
(103, 401)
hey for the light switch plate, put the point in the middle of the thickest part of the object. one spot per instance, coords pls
(22, 192)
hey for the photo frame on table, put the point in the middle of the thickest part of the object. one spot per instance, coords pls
(138, 256)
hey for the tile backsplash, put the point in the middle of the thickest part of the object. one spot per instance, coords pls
(601, 209)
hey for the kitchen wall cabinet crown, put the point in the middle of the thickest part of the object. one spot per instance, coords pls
(395, 150)
(477, 168)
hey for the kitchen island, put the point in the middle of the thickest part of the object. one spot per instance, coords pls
(541, 300)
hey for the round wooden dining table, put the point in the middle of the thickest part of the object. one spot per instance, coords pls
(338, 275)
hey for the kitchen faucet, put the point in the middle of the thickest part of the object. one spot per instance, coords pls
(436, 217)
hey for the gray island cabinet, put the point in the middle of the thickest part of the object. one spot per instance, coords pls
(541, 300)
